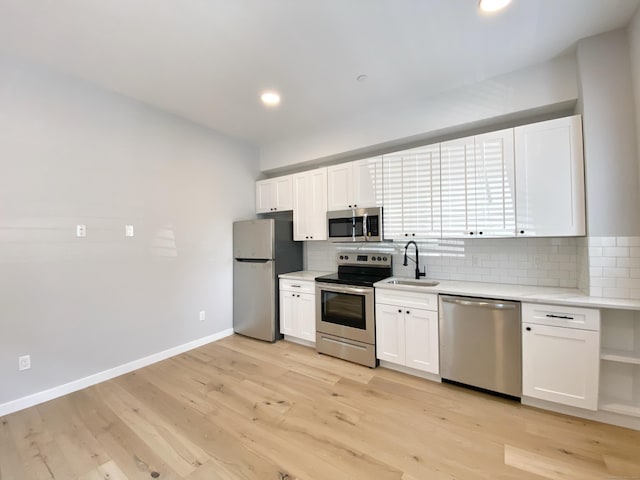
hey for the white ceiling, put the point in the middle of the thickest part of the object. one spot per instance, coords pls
(208, 60)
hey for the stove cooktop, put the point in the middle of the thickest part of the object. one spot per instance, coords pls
(360, 280)
(359, 269)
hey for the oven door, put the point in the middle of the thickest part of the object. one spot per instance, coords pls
(346, 311)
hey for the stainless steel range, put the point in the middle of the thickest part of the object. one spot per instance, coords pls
(345, 307)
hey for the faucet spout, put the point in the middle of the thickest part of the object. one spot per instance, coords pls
(416, 261)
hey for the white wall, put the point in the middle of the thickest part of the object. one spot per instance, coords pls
(609, 125)
(70, 154)
(634, 53)
(545, 86)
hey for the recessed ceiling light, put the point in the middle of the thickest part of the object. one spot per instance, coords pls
(362, 78)
(493, 5)
(271, 99)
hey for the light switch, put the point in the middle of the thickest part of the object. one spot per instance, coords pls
(128, 230)
(81, 230)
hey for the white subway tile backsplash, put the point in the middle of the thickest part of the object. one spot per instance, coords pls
(595, 291)
(615, 251)
(599, 266)
(602, 241)
(628, 282)
(628, 241)
(530, 261)
(630, 262)
(603, 282)
(602, 261)
(595, 272)
(615, 292)
(595, 251)
(615, 272)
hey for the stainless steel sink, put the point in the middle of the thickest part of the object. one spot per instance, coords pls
(415, 283)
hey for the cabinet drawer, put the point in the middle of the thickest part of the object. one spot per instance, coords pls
(558, 316)
(426, 301)
(297, 286)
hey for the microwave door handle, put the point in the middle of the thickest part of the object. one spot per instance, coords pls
(365, 227)
(353, 226)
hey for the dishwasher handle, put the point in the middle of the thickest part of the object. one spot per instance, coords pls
(480, 303)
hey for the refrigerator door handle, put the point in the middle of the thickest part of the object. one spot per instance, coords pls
(253, 260)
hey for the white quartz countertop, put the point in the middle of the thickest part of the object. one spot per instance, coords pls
(523, 293)
(302, 275)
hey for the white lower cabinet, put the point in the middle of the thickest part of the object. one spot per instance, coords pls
(561, 354)
(298, 309)
(407, 329)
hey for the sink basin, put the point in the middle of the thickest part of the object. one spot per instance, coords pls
(415, 283)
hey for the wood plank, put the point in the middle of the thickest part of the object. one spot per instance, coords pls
(251, 410)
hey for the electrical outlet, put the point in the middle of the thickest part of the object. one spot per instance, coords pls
(537, 261)
(24, 362)
(128, 230)
(81, 230)
(202, 315)
(475, 260)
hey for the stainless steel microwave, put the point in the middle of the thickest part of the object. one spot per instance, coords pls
(356, 225)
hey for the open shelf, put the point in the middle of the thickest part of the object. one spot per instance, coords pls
(622, 356)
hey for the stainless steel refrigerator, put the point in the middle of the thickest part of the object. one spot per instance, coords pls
(262, 250)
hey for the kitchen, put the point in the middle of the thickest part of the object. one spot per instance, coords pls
(162, 175)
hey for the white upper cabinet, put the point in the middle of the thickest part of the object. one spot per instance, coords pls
(310, 205)
(355, 184)
(457, 183)
(495, 196)
(274, 194)
(550, 178)
(411, 195)
(477, 185)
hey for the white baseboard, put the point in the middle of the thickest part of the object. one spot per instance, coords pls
(411, 371)
(599, 416)
(75, 385)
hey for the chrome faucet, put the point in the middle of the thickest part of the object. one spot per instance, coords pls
(416, 261)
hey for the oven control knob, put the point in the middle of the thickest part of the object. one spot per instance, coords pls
(341, 257)
(346, 257)
(379, 258)
(384, 258)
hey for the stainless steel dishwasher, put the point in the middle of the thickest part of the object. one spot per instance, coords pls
(481, 343)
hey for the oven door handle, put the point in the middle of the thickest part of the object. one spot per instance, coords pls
(331, 287)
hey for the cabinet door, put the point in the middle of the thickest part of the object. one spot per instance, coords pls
(301, 197)
(265, 196)
(393, 189)
(288, 313)
(284, 193)
(367, 182)
(457, 183)
(421, 339)
(550, 178)
(421, 192)
(495, 184)
(339, 183)
(306, 317)
(561, 365)
(310, 205)
(316, 207)
(390, 344)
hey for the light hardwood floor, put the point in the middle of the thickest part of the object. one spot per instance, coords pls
(244, 409)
